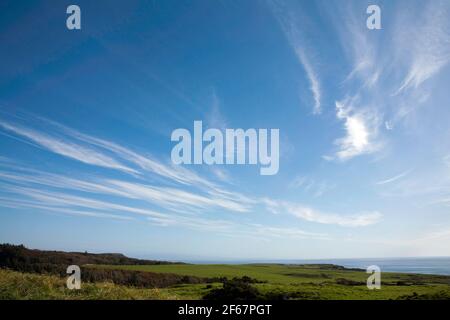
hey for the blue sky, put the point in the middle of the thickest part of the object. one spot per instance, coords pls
(86, 118)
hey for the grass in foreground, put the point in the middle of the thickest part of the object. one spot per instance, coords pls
(19, 286)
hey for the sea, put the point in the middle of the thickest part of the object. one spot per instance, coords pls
(424, 265)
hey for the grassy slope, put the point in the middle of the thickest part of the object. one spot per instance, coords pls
(17, 285)
(308, 282)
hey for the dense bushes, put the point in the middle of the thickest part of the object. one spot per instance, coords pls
(349, 282)
(19, 258)
(242, 289)
(18, 285)
(442, 295)
(235, 289)
(140, 279)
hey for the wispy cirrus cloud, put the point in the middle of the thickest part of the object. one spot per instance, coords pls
(353, 220)
(142, 162)
(83, 205)
(359, 45)
(94, 151)
(290, 21)
(21, 204)
(394, 178)
(311, 186)
(360, 109)
(427, 47)
(387, 69)
(215, 118)
(310, 214)
(165, 197)
(289, 233)
(171, 200)
(58, 199)
(163, 202)
(170, 196)
(67, 149)
(312, 76)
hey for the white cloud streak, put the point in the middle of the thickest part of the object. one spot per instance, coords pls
(313, 79)
(77, 194)
(170, 196)
(311, 215)
(288, 232)
(65, 200)
(165, 197)
(289, 24)
(395, 178)
(145, 162)
(67, 149)
(69, 143)
(311, 186)
(15, 203)
(427, 46)
(170, 199)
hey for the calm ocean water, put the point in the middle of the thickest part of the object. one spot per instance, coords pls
(409, 265)
(440, 265)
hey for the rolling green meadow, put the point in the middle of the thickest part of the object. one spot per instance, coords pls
(36, 274)
(298, 282)
(304, 281)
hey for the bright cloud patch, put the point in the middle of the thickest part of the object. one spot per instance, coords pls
(360, 132)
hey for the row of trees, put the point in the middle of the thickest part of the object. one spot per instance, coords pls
(22, 255)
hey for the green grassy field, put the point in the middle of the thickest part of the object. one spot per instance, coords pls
(299, 282)
(18, 286)
(37, 274)
(303, 281)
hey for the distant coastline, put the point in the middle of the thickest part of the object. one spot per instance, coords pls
(422, 265)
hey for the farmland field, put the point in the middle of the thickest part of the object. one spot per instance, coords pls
(35, 274)
(296, 282)
(302, 281)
